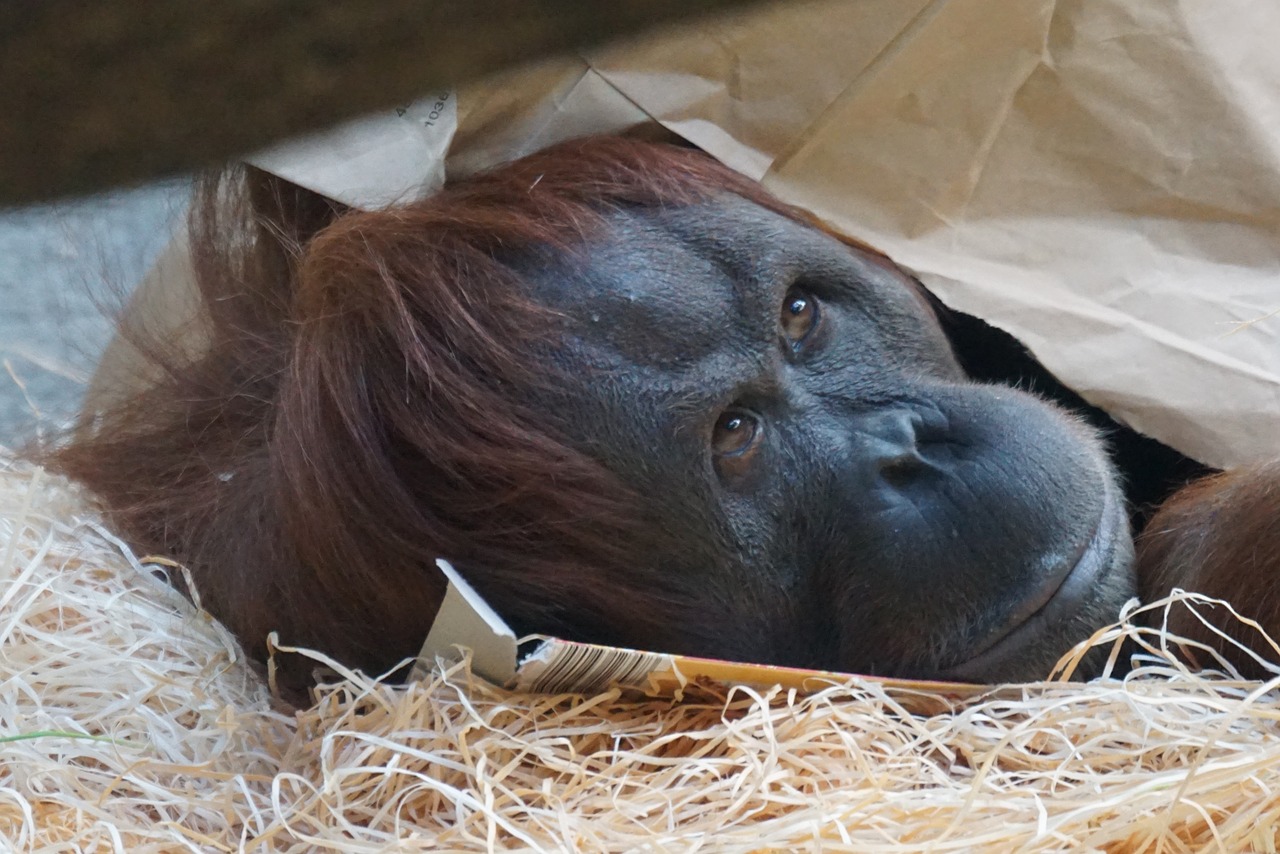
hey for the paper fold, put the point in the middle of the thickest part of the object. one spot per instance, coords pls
(1101, 178)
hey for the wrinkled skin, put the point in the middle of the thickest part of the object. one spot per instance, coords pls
(814, 465)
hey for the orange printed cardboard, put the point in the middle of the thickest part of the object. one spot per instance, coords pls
(545, 664)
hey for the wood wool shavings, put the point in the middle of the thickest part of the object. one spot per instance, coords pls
(131, 722)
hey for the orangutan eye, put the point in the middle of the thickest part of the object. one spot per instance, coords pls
(799, 317)
(735, 433)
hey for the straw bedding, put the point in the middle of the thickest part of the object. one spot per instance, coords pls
(131, 722)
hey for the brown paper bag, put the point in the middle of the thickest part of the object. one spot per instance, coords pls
(1100, 178)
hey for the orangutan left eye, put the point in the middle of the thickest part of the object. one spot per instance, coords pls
(799, 317)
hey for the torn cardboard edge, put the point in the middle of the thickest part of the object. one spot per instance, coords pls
(542, 664)
(386, 158)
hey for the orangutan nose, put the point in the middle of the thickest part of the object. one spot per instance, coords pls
(890, 447)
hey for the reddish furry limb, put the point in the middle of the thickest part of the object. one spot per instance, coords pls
(1220, 536)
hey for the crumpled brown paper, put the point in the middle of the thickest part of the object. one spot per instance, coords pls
(1100, 178)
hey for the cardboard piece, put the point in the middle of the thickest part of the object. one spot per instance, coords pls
(372, 161)
(542, 664)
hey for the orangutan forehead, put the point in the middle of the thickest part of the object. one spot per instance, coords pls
(671, 287)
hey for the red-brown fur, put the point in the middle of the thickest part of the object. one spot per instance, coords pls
(356, 399)
(356, 414)
(1220, 536)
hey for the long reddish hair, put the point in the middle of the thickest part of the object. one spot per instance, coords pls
(358, 409)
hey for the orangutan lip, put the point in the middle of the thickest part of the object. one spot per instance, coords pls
(1058, 600)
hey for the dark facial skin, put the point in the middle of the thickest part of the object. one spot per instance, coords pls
(825, 486)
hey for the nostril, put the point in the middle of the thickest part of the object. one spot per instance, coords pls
(889, 442)
(901, 470)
